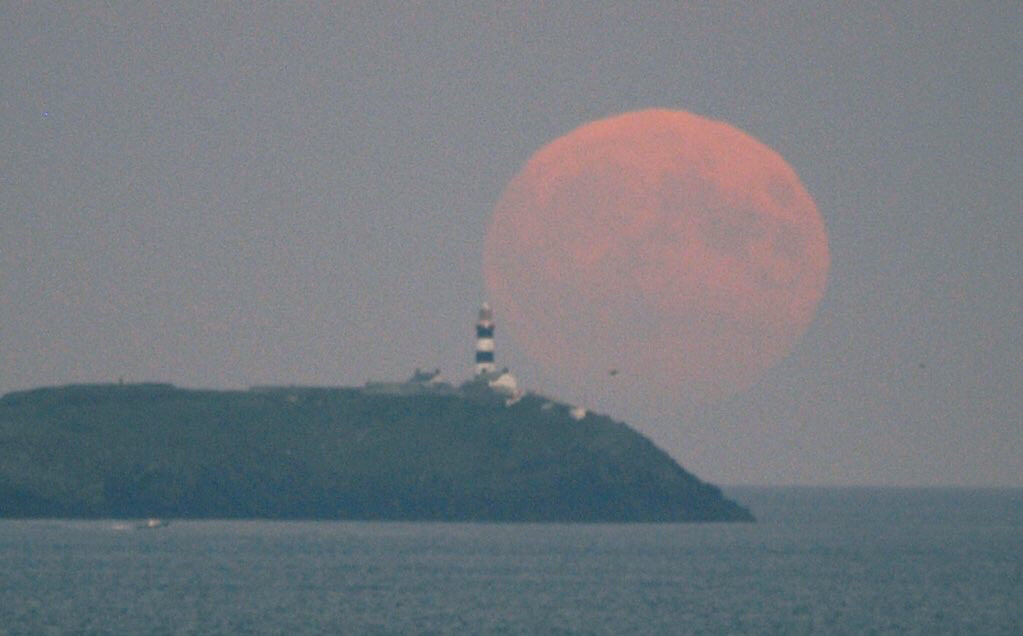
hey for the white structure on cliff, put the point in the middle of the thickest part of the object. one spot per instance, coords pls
(486, 382)
(501, 382)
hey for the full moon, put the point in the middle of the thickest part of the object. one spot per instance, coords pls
(675, 254)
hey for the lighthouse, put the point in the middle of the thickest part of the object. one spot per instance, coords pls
(485, 341)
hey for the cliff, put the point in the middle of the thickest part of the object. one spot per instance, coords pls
(305, 453)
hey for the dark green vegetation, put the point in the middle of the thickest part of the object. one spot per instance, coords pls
(157, 451)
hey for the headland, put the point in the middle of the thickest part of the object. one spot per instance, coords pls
(475, 453)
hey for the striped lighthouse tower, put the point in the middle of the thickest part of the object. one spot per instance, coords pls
(485, 341)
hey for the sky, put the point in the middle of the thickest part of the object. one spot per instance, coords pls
(223, 195)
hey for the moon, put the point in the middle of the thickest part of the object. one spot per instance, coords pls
(674, 250)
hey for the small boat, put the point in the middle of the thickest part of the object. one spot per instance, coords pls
(152, 524)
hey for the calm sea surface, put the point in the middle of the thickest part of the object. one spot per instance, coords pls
(830, 561)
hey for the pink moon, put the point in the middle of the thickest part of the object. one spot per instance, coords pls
(673, 252)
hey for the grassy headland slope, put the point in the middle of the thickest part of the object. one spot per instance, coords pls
(158, 451)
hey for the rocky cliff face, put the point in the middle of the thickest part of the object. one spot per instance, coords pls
(291, 453)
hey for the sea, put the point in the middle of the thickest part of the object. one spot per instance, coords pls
(818, 561)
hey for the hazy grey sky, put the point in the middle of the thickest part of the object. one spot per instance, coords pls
(224, 195)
